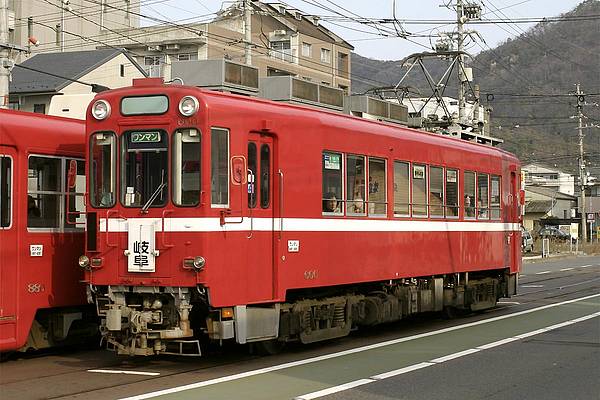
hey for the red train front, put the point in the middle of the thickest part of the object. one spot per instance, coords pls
(222, 217)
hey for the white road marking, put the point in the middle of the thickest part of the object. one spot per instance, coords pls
(522, 275)
(311, 360)
(543, 272)
(372, 379)
(334, 389)
(567, 269)
(531, 286)
(509, 302)
(401, 371)
(116, 371)
(585, 266)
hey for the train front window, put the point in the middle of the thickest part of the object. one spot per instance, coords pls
(144, 177)
(102, 169)
(186, 167)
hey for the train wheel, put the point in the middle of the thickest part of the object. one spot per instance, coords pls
(267, 347)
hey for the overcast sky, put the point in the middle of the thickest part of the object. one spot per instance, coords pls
(372, 45)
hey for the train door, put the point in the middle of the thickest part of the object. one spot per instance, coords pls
(260, 206)
(515, 242)
(8, 246)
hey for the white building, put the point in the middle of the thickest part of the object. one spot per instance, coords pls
(539, 175)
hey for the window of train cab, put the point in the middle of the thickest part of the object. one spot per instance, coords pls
(6, 191)
(186, 167)
(103, 161)
(47, 187)
(219, 167)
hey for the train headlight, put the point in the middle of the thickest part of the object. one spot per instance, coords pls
(188, 106)
(199, 262)
(101, 110)
(84, 261)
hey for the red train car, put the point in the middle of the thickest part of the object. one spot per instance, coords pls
(228, 217)
(41, 296)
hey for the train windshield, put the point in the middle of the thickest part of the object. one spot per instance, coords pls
(144, 174)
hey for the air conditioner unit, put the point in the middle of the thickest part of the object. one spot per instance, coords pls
(279, 32)
(154, 48)
(172, 46)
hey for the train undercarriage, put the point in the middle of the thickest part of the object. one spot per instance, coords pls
(159, 320)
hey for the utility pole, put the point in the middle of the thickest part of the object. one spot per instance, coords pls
(5, 61)
(580, 103)
(460, 21)
(247, 32)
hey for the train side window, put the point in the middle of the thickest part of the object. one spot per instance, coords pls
(102, 169)
(377, 198)
(219, 167)
(44, 192)
(76, 198)
(469, 194)
(186, 167)
(6, 194)
(333, 201)
(252, 166)
(495, 197)
(401, 189)
(482, 197)
(419, 191)
(451, 193)
(355, 184)
(436, 191)
(265, 175)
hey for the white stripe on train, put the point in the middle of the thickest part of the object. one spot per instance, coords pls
(210, 224)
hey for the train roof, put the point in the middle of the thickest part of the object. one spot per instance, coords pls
(325, 117)
(25, 130)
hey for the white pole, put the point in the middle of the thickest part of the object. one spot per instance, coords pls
(5, 61)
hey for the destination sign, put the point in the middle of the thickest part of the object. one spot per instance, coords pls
(145, 137)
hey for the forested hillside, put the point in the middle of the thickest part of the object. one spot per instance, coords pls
(526, 80)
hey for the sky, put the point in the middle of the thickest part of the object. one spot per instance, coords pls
(366, 40)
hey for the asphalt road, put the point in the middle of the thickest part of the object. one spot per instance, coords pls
(541, 344)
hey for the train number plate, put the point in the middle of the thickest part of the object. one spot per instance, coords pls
(36, 250)
(293, 246)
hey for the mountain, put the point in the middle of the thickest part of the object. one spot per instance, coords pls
(527, 81)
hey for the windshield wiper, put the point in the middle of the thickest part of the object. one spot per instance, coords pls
(156, 192)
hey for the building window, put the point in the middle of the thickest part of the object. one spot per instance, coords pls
(355, 184)
(469, 200)
(342, 65)
(186, 167)
(377, 193)
(39, 108)
(332, 183)
(436, 191)
(326, 56)
(419, 190)
(6, 193)
(401, 189)
(187, 57)
(122, 70)
(306, 49)
(282, 50)
(219, 167)
(153, 65)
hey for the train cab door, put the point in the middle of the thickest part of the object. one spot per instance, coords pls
(8, 246)
(260, 210)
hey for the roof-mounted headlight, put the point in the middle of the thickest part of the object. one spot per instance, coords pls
(101, 110)
(188, 106)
